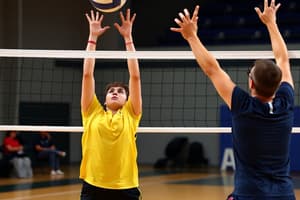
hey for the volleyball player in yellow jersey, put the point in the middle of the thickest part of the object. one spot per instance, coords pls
(109, 154)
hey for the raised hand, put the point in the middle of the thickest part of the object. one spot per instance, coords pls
(95, 24)
(187, 26)
(125, 28)
(269, 13)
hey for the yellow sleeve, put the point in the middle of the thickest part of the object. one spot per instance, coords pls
(129, 107)
(94, 107)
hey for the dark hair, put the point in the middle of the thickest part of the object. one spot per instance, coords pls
(117, 84)
(266, 76)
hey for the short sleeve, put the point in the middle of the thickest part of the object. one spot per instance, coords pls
(239, 100)
(286, 91)
(129, 107)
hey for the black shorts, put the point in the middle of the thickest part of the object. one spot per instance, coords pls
(90, 192)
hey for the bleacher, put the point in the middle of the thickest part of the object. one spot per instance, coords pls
(236, 23)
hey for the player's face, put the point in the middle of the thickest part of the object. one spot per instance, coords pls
(115, 98)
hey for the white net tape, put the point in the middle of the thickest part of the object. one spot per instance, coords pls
(79, 129)
(188, 55)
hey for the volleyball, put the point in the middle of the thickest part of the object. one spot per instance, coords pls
(108, 5)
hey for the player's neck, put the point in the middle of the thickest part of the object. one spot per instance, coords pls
(113, 111)
(261, 98)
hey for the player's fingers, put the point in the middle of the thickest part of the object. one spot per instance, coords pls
(97, 16)
(117, 26)
(277, 6)
(265, 4)
(175, 29)
(272, 4)
(186, 13)
(128, 14)
(88, 17)
(122, 16)
(106, 27)
(101, 18)
(195, 13)
(92, 15)
(258, 11)
(133, 18)
(177, 21)
(182, 17)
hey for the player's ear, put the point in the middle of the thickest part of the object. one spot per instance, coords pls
(251, 84)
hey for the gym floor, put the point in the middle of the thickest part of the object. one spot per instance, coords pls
(194, 184)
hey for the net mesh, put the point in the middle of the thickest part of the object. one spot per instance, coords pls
(176, 93)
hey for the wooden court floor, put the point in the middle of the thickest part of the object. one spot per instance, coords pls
(194, 184)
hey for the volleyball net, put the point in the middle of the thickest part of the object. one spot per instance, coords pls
(41, 89)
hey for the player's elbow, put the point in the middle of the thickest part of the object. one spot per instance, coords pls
(87, 75)
(135, 77)
(211, 70)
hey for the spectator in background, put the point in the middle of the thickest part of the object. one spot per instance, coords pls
(13, 152)
(46, 149)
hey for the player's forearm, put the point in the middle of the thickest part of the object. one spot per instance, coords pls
(89, 63)
(88, 67)
(278, 45)
(133, 65)
(205, 59)
(133, 69)
(88, 82)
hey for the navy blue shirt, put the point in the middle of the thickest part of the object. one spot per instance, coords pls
(44, 142)
(261, 138)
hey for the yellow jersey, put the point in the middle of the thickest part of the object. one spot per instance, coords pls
(109, 152)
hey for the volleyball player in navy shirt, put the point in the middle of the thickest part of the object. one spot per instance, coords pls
(262, 120)
(261, 136)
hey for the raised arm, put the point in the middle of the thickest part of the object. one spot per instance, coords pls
(88, 81)
(125, 29)
(207, 62)
(268, 17)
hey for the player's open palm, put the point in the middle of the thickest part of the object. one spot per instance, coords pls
(95, 23)
(125, 28)
(188, 26)
(268, 15)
